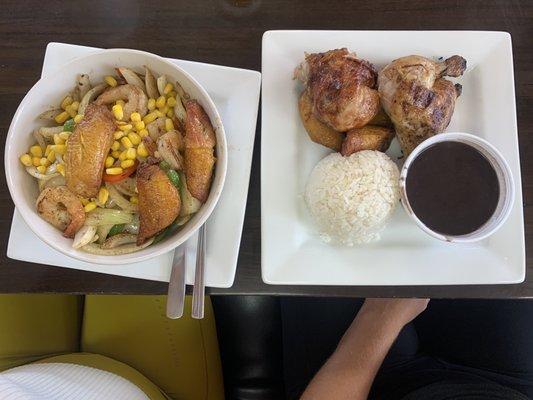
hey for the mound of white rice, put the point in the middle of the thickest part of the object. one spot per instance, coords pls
(351, 198)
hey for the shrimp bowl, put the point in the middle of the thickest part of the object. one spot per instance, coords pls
(117, 157)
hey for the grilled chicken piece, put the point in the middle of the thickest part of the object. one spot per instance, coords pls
(367, 138)
(419, 101)
(342, 88)
(159, 201)
(200, 142)
(318, 131)
(87, 148)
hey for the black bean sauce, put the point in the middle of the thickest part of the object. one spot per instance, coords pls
(452, 188)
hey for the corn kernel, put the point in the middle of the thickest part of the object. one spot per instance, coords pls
(64, 135)
(111, 81)
(71, 112)
(120, 102)
(172, 93)
(170, 113)
(61, 169)
(114, 171)
(171, 101)
(160, 102)
(109, 161)
(115, 145)
(118, 135)
(61, 117)
(134, 200)
(164, 110)
(141, 150)
(123, 155)
(36, 151)
(134, 138)
(168, 88)
(126, 142)
(41, 169)
(47, 150)
(84, 201)
(131, 153)
(36, 161)
(78, 118)
(140, 125)
(125, 127)
(26, 160)
(75, 105)
(127, 163)
(151, 117)
(57, 139)
(89, 206)
(115, 153)
(103, 195)
(51, 156)
(45, 162)
(59, 148)
(135, 117)
(151, 104)
(143, 133)
(169, 125)
(67, 101)
(159, 113)
(118, 112)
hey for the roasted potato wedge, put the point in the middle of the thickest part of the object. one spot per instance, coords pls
(318, 131)
(159, 201)
(87, 148)
(367, 138)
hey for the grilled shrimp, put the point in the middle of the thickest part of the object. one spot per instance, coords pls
(136, 99)
(61, 208)
(200, 142)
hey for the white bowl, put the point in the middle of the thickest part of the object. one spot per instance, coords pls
(47, 93)
(503, 173)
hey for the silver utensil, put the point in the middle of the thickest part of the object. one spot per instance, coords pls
(198, 292)
(176, 285)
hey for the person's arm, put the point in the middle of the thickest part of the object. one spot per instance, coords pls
(350, 371)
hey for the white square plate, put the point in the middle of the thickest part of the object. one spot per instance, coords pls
(292, 252)
(236, 95)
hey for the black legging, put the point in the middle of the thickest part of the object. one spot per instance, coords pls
(489, 340)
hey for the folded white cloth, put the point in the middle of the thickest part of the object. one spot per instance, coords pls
(61, 381)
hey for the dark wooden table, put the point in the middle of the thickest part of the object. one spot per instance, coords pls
(228, 32)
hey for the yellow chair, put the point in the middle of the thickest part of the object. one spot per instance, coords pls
(126, 335)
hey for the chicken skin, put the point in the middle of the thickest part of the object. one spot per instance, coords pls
(419, 101)
(342, 88)
(159, 200)
(200, 141)
(87, 148)
(318, 131)
(368, 137)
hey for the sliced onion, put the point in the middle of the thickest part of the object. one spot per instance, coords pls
(48, 132)
(119, 239)
(161, 83)
(36, 174)
(131, 77)
(84, 236)
(181, 93)
(151, 84)
(90, 96)
(84, 84)
(49, 115)
(125, 249)
(126, 186)
(40, 139)
(102, 231)
(133, 227)
(54, 182)
(179, 112)
(119, 200)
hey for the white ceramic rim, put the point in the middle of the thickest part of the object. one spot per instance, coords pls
(503, 172)
(168, 244)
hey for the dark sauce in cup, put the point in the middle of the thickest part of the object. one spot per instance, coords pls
(452, 188)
